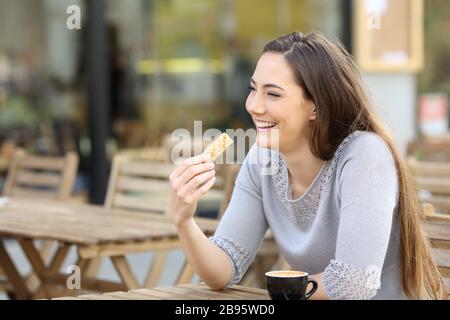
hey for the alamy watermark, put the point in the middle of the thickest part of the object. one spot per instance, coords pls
(374, 21)
(73, 21)
(73, 282)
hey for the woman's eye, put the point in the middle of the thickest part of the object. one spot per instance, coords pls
(251, 88)
(276, 95)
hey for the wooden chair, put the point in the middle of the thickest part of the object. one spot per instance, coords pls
(230, 179)
(33, 176)
(433, 179)
(437, 229)
(139, 184)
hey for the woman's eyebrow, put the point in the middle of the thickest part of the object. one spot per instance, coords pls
(268, 85)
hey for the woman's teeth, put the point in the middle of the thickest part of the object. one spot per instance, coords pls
(263, 124)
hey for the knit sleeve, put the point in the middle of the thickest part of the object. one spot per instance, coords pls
(368, 191)
(242, 228)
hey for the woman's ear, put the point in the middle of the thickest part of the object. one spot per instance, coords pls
(313, 113)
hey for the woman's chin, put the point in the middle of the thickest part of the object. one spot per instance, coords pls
(266, 143)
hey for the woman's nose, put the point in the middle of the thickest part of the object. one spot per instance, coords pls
(255, 105)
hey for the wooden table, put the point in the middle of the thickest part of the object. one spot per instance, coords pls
(180, 292)
(94, 230)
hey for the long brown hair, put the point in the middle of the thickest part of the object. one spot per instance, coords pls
(330, 78)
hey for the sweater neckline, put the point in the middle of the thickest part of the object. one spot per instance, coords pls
(304, 208)
(311, 185)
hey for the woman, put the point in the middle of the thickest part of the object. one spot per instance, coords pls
(341, 206)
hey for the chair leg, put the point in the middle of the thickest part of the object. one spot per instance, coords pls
(186, 273)
(45, 252)
(156, 269)
(125, 272)
(14, 278)
(94, 267)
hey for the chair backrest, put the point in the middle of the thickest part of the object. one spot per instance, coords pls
(437, 230)
(157, 154)
(136, 184)
(231, 174)
(39, 176)
(433, 179)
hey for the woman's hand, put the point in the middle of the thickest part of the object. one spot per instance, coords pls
(189, 181)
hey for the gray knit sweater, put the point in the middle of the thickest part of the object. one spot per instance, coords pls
(345, 225)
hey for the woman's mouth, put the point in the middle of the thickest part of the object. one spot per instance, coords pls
(265, 125)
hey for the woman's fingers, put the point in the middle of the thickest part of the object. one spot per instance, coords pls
(203, 189)
(192, 185)
(179, 170)
(191, 173)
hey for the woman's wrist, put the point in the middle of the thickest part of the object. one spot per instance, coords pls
(183, 222)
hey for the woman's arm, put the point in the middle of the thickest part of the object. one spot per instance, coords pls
(189, 182)
(211, 263)
(222, 260)
(320, 294)
(368, 188)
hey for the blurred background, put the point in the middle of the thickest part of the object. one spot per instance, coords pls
(138, 69)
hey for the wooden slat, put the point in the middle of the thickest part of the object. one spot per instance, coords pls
(190, 293)
(115, 249)
(141, 203)
(99, 297)
(194, 294)
(441, 203)
(158, 294)
(147, 169)
(44, 163)
(18, 191)
(445, 272)
(437, 230)
(129, 296)
(240, 291)
(250, 289)
(447, 283)
(68, 176)
(434, 185)
(38, 178)
(441, 257)
(180, 293)
(142, 184)
(429, 168)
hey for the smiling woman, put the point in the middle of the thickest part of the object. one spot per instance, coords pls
(341, 206)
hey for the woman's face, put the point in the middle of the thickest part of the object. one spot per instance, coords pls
(277, 105)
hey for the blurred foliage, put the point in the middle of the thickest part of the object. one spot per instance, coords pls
(19, 111)
(436, 74)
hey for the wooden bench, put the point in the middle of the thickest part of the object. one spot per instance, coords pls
(433, 181)
(437, 229)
